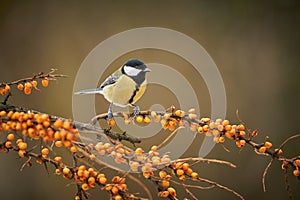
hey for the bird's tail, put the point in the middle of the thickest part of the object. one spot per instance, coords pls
(90, 91)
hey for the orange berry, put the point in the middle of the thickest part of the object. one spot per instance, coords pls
(139, 151)
(179, 172)
(221, 139)
(58, 159)
(22, 153)
(241, 127)
(192, 110)
(192, 116)
(163, 194)
(182, 178)
(172, 191)
(34, 83)
(185, 166)
(242, 142)
(8, 144)
(296, 173)
(127, 121)
(7, 88)
(114, 190)
(154, 148)
(73, 149)
(225, 122)
(10, 136)
(205, 128)
(102, 180)
(57, 171)
(179, 113)
(111, 122)
(268, 145)
(242, 133)
(58, 143)
(139, 118)
(297, 162)
(278, 151)
(77, 197)
(66, 125)
(22, 146)
(85, 186)
(20, 86)
(92, 157)
(254, 133)
(262, 149)
(118, 197)
(27, 91)
(45, 151)
(58, 123)
(45, 82)
(91, 181)
(162, 174)
(66, 170)
(28, 85)
(194, 175)
(167, 116)
(19, 141)
(227, 127)
(147, 119)
(165, 183)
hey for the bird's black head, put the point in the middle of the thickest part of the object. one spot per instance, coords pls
(134, 68)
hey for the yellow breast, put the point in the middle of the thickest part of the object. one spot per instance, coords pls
(121, 92)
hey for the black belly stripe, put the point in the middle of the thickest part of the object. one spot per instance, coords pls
(133, 95)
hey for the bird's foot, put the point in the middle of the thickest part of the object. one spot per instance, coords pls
(109, 113)
(136, 111)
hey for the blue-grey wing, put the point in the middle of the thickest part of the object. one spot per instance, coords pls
(109, 81)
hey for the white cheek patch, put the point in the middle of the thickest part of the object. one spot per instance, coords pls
(131, 71)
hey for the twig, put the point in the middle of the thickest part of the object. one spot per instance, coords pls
(265, 173)
(169, 137)
(40, 75)
(222, 187)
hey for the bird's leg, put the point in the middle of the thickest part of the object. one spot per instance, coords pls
(110, 113)
(136, 110)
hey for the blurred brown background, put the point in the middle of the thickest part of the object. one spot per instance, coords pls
(255, 45)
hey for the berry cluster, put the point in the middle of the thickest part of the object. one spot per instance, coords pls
(36, 126)
(27, 84)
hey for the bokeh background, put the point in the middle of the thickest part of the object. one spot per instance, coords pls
(255, 45)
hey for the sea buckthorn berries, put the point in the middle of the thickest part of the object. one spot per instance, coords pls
(92, 157)
(45, 82)
(111, 122)
(45, 151)
(268, 145)
(34, 83)
(58, 159)
(297, 162)
(165, 183)
(278, 151)
(172, 191)
(85, 186)
(66, 170)
(147, 119)
(194, 175)
(20, 86)
(296, 173)
(162, 174)
(10, 137)
(179, 113)
(262, 149)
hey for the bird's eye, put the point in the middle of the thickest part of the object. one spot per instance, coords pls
(131, 71)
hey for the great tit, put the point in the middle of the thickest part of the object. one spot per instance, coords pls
(124, 87)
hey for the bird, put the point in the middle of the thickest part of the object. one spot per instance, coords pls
(124, 87)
